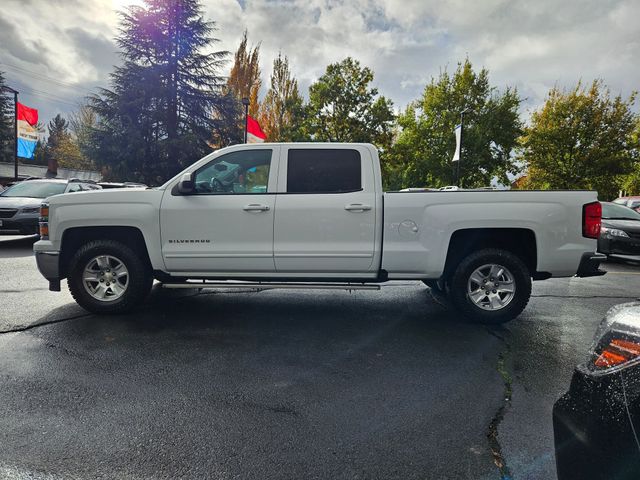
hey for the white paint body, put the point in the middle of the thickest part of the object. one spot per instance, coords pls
(313, 236)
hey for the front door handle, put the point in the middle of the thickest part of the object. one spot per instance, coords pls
(357, 207)
(256, 207)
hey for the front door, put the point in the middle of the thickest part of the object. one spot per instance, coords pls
(226, 226)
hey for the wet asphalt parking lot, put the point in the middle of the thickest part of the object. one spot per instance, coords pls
(286, 384)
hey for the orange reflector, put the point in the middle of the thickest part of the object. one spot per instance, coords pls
(44, 211)
(617, 352)
(44, 231)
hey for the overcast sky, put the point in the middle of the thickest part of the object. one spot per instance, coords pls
(532, 45)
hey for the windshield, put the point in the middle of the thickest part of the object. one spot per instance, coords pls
(613, 211)
(34, 189)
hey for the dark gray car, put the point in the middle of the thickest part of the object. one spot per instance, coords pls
(620, 232)
(20, 203)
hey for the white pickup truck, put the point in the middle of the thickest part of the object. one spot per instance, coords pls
(313, 215)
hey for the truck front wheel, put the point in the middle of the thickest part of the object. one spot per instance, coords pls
(106, 276)
(491, 286)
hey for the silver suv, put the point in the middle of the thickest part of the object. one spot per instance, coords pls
(20, 203)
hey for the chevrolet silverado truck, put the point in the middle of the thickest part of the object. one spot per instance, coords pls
(313, 215)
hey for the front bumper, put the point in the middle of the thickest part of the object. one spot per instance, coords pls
(49, 265)
(589, 265)
(19, 226)
(619, 245)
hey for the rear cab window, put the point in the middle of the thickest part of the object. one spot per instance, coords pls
(323, 170)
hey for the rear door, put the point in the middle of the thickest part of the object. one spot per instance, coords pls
(325, 221)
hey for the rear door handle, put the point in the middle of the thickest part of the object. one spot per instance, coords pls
(256, 207)
(357, 207)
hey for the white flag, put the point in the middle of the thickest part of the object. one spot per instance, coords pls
(458, 132)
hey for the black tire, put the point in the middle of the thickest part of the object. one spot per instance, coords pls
(521, 278)
(139, 278)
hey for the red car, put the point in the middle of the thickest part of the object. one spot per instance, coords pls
(631, 202)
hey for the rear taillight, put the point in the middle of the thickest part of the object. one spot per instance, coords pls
(591, 220)
(44, 221)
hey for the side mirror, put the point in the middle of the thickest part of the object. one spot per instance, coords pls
(186, 184)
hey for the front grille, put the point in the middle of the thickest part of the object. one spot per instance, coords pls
(7, 212)
(634, 234)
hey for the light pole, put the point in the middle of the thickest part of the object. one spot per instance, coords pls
(245, 102)
(15, 129)
(466, 110)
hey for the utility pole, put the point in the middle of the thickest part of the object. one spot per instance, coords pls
(245, 102)
(15, 129)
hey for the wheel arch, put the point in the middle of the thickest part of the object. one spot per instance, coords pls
(73, 238)
(519, 241)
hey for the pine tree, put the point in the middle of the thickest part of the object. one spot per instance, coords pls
(281, 109)
(166, 98)
(6, 123)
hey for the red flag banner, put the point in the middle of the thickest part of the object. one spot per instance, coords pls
(27, 134)
(254, 132)
(29, 115)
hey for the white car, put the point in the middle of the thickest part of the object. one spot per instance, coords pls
(313, 215)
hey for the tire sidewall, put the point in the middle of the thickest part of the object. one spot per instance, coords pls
(521, 277)
(139, 282)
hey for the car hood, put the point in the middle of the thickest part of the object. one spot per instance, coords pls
(19, 202)
(625, 225)
(109, 196)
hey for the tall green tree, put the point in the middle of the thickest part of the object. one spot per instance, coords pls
(425, 143)
(344, 107)
(6, 123)
(281, 110)
(631, 182)
(581, 139)
(166, 98)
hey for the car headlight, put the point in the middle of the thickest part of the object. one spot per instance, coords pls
(30, 210)
(613, 232)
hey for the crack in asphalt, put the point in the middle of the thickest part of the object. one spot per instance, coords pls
(42, 324)
(492, 431)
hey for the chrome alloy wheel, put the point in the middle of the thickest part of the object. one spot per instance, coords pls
(105, 278)
(491, 287)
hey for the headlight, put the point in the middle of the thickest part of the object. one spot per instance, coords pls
(30, 210)
(614, 232)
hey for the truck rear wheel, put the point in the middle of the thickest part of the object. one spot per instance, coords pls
(106, 276)
(491, 286)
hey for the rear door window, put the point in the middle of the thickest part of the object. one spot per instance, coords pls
(323, 171)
